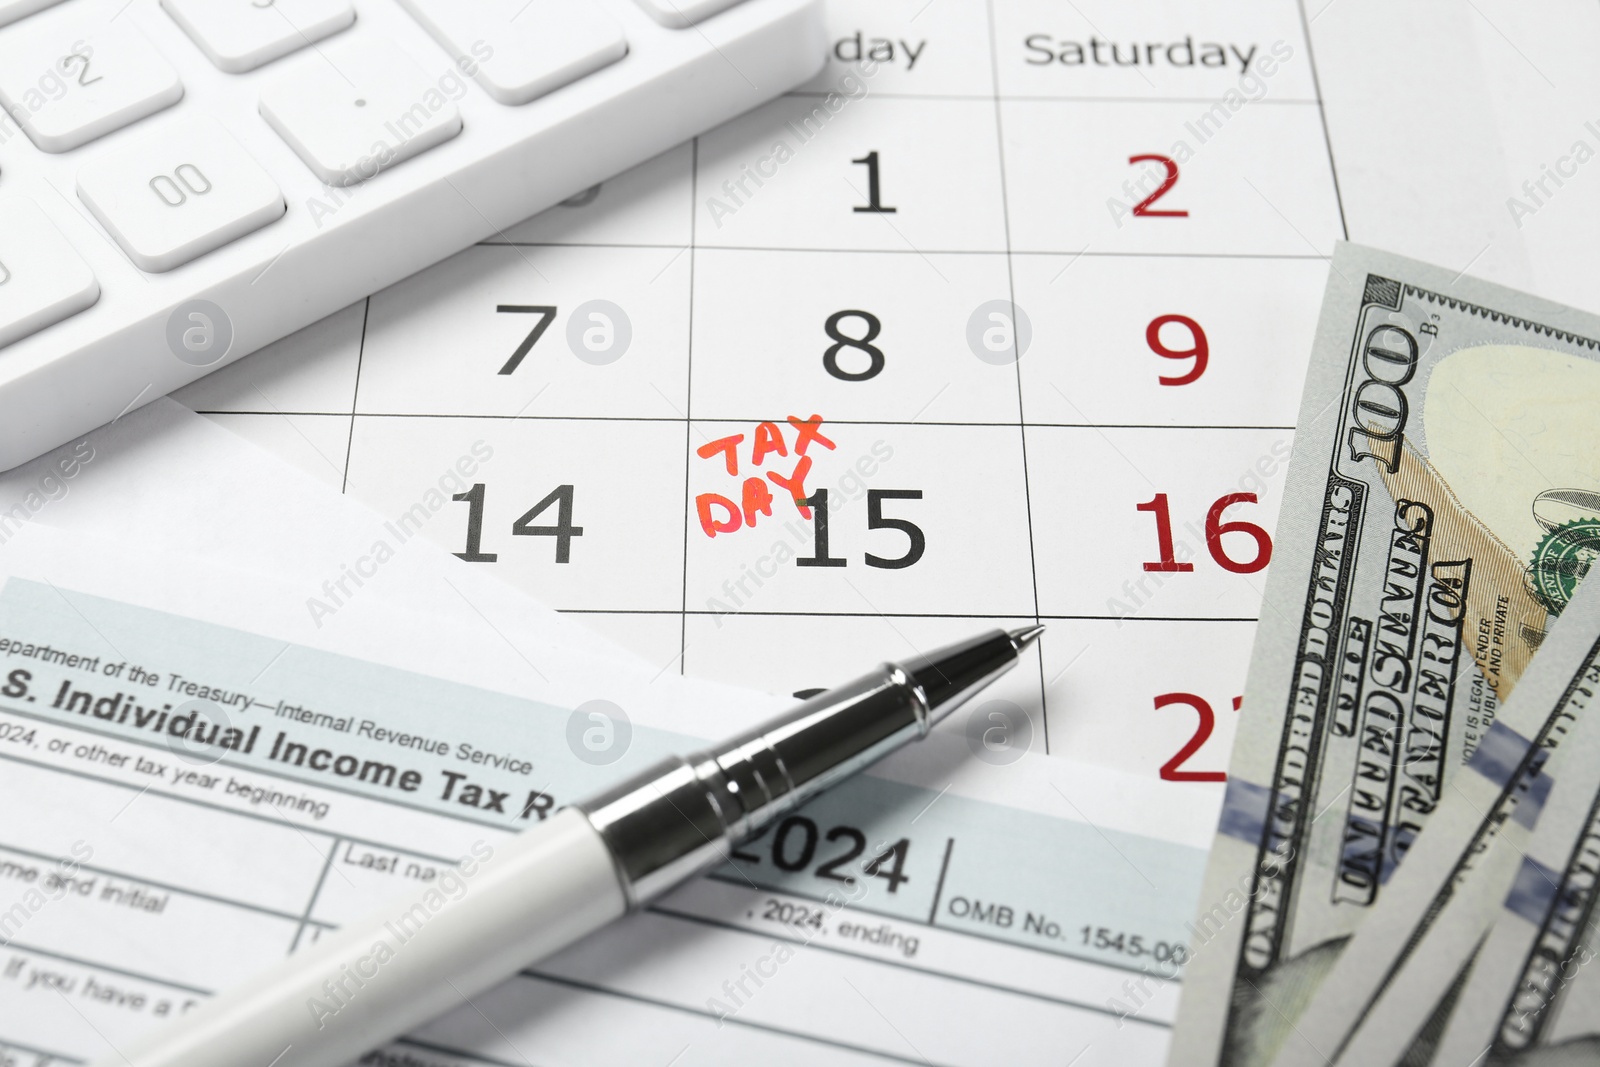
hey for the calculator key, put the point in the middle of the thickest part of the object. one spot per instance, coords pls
(179, 193)
(42, 279)
(538, 45)
(241, 35)
(12, 10)
(69, 84)
(351, 111)
(677, 14)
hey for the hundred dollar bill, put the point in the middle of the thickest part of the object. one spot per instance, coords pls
(1388, 994)
(1533, 993)
(1442, 503)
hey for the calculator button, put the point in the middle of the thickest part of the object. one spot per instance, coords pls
(523, 49)
(42, 279)
(352, 111)
(68, 85)
(179, 193)
(12, 10)
(241, 35)
(676, 14)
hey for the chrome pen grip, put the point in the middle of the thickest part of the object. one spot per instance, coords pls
(685, 814)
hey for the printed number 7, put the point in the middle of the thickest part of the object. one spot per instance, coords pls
(547, 315)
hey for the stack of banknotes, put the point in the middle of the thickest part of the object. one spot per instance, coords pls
(1406, 866)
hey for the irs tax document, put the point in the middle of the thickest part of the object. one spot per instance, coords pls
(189, 795)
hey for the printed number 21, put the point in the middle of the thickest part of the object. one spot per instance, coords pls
(1170, 770)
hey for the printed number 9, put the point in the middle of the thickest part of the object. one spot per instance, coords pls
(1199, 349)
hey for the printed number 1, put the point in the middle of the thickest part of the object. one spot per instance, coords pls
(874, 204)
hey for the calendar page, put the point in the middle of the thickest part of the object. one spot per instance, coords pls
(1002, 319)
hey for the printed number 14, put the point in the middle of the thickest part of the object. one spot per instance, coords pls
(563, 530)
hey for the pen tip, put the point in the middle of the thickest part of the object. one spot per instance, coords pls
(1026, 636)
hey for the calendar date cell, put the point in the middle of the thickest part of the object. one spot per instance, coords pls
(507, 331)
(1155, 697)
(642, 206)
(551, 506)
(1256, 181)
(790, 176)
(910, 513)
(1154, 523)
(1142, 341)
(859, 336)
(739, 649)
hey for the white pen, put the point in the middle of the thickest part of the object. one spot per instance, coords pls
(590, 864)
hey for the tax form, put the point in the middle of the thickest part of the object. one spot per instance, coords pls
(193, 788)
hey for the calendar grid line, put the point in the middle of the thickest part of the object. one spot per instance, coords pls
(355, 395)
(1322, 115)
(1016, 347)
(1074, 253)
(755, 419)
(688, 404)
(1052, 98)
(1039, 617)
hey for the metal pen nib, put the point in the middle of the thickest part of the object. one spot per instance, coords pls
(686, 814)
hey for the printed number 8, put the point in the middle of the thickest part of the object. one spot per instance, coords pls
(830, 357)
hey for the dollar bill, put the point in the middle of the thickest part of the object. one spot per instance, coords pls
(1533, 993)
(1442, 504)
(1387, 996)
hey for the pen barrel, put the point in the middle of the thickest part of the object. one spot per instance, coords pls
(509, 905)
(503, 907)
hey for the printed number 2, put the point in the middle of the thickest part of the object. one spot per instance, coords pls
(1170, 771)
(1143, 207)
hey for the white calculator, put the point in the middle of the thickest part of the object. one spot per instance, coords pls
(185, 181)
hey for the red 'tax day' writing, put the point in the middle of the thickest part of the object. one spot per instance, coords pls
(719, 514)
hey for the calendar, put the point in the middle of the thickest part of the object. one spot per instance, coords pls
(1002, 319)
